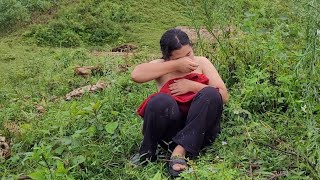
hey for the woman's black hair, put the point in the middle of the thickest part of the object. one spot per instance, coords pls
(171, 40)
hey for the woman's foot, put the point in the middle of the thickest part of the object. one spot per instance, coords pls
(178, 152)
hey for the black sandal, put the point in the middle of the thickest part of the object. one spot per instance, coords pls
(173, 161)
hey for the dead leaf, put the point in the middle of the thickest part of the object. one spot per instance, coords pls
(43, 102)
(26, 97)
(40, 109)
(100, 85)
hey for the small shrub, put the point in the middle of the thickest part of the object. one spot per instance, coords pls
(12, 12)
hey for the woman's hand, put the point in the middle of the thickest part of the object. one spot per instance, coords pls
(181, 86)
(185, 65)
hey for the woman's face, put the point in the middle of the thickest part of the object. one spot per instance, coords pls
(184, 51)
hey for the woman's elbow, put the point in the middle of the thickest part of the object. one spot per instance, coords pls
(136, 77)
(224, 95)
(225, 98)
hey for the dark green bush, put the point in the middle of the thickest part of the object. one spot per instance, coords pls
(12, 12)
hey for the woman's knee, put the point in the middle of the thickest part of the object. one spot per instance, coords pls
(160, 102)
(211, 93)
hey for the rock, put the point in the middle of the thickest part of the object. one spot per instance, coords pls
(4, 148)
(84, 70)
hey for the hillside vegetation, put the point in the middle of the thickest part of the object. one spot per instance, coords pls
(267, 52)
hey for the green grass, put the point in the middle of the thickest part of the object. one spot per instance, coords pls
(270, 127)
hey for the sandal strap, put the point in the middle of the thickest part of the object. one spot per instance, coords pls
(177, 160)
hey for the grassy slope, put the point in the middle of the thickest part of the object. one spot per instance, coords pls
(70, 138)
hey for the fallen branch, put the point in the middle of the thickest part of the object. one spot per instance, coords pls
(101, 85)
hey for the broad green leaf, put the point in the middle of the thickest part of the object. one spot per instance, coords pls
(111, 127)
(78, 160)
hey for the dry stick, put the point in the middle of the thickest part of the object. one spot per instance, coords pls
(251, 172)
(206, 11)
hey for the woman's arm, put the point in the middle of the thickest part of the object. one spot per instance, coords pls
(214, 79)
(149, 71)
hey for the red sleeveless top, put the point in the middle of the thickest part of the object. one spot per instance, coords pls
(184, 100)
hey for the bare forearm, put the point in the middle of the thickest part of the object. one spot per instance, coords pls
(224, 94)
(198, 86)
(149, 71)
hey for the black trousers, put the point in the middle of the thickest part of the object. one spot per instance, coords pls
(163, 122)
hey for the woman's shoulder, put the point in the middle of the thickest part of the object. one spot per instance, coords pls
(157, 61)
(202, 60)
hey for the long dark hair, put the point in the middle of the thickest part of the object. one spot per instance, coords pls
(171, 40)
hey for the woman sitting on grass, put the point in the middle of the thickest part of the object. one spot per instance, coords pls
(184, 115)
